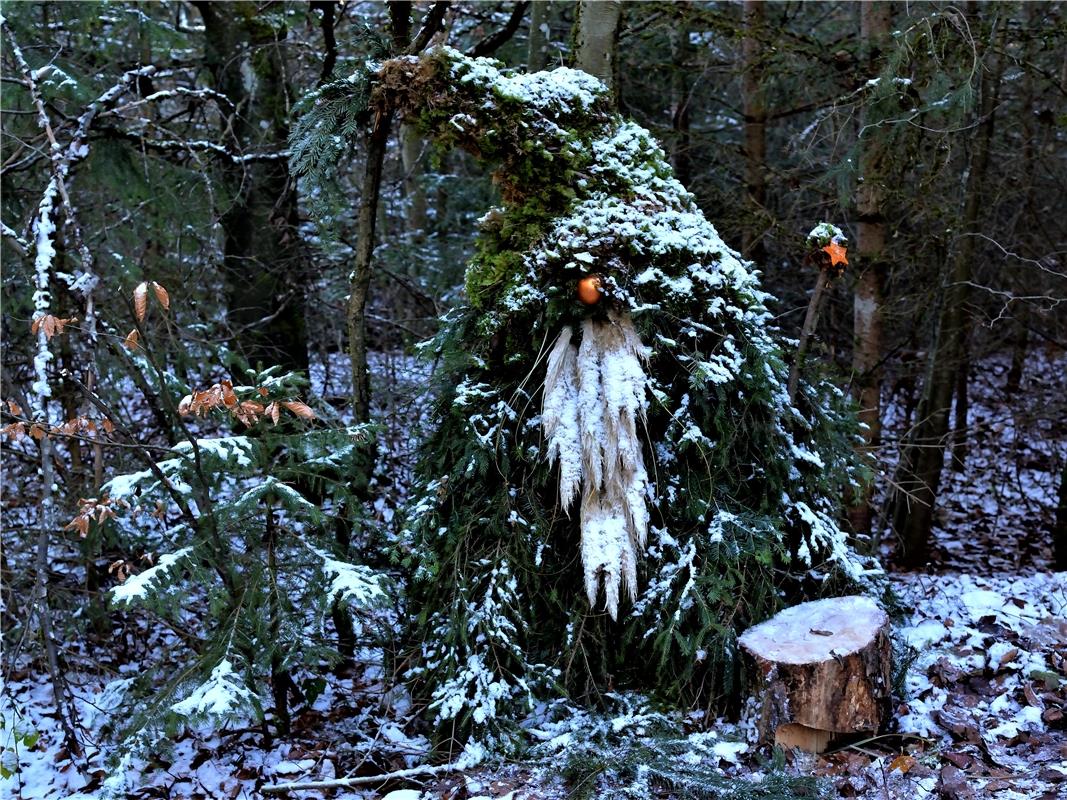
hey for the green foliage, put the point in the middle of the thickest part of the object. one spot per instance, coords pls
(20, 736)
(637, 752)
(745, 485)
(328, 122)
(259, 563)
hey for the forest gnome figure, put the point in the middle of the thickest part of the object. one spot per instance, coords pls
(667, 453)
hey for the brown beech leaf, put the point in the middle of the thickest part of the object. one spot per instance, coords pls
(302, 410)
(229, 399)
(903, 762)
(140, 301)
(14, 408)
(14, 431)
(50, 324)
(79, 524)
(1008, 657)
(273, 411)
(161, 296)
(130, 342)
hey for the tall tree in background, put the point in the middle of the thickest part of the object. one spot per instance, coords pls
(681, 51)
(264, 265)
(597, 38)
(375, 144)
(868, 338)
(923, 454)
(537, 49)
(755, 115)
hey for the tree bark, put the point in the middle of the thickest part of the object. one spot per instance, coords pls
(411, 145)
(376, 145)
(494, 41)
(681, 50)
(1019, 345)
(361, 272)
(869, 299)
(755, 116)
(263, 262)
(329, 39)
(823, 671)
(537, 55)
(960, 433)
(923, 455)
(598, 35)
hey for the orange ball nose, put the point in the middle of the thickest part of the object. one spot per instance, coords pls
(589, 290)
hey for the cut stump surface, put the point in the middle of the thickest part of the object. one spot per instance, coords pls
(823, 671)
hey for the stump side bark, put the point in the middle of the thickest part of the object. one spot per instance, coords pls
(823, 672)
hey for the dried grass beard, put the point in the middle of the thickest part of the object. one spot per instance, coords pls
(594, 397)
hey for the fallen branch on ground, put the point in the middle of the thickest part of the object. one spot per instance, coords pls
(340, 783)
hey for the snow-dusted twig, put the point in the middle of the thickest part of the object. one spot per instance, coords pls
(22, 247)
(361, 780)
(44, 252)
(177, 91)
(202, 146)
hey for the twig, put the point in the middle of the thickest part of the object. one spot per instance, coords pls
(340, 783)
(811, 320)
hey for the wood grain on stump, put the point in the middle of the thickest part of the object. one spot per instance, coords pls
(823, 671)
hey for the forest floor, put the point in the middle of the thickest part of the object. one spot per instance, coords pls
(980, 713)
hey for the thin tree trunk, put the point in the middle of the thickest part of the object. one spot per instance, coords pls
(598, 34)
(1020, 343)
(1033, 22)
(681, 50)
(869, 299)
(1059, 529)
(807, 330)
(755, 116)
(376, 144)
(959, 429)
(923, 455)
(377, 140)
(410, 149)
(537, 56)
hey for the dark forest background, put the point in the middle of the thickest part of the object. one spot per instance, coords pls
(189, 253)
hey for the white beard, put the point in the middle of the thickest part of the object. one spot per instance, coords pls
(594, 396)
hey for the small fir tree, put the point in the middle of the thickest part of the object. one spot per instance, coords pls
(617, 482)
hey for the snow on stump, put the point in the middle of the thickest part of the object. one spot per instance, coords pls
(823, 672)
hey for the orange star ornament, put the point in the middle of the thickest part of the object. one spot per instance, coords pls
(836, 253)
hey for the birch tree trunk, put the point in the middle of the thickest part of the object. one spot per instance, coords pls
(598, 34)
(867, 323)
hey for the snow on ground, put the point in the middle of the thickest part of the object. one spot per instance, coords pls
(994, 515)
(980, 714)
(982, 708)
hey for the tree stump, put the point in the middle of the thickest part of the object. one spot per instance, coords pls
(824, 672)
